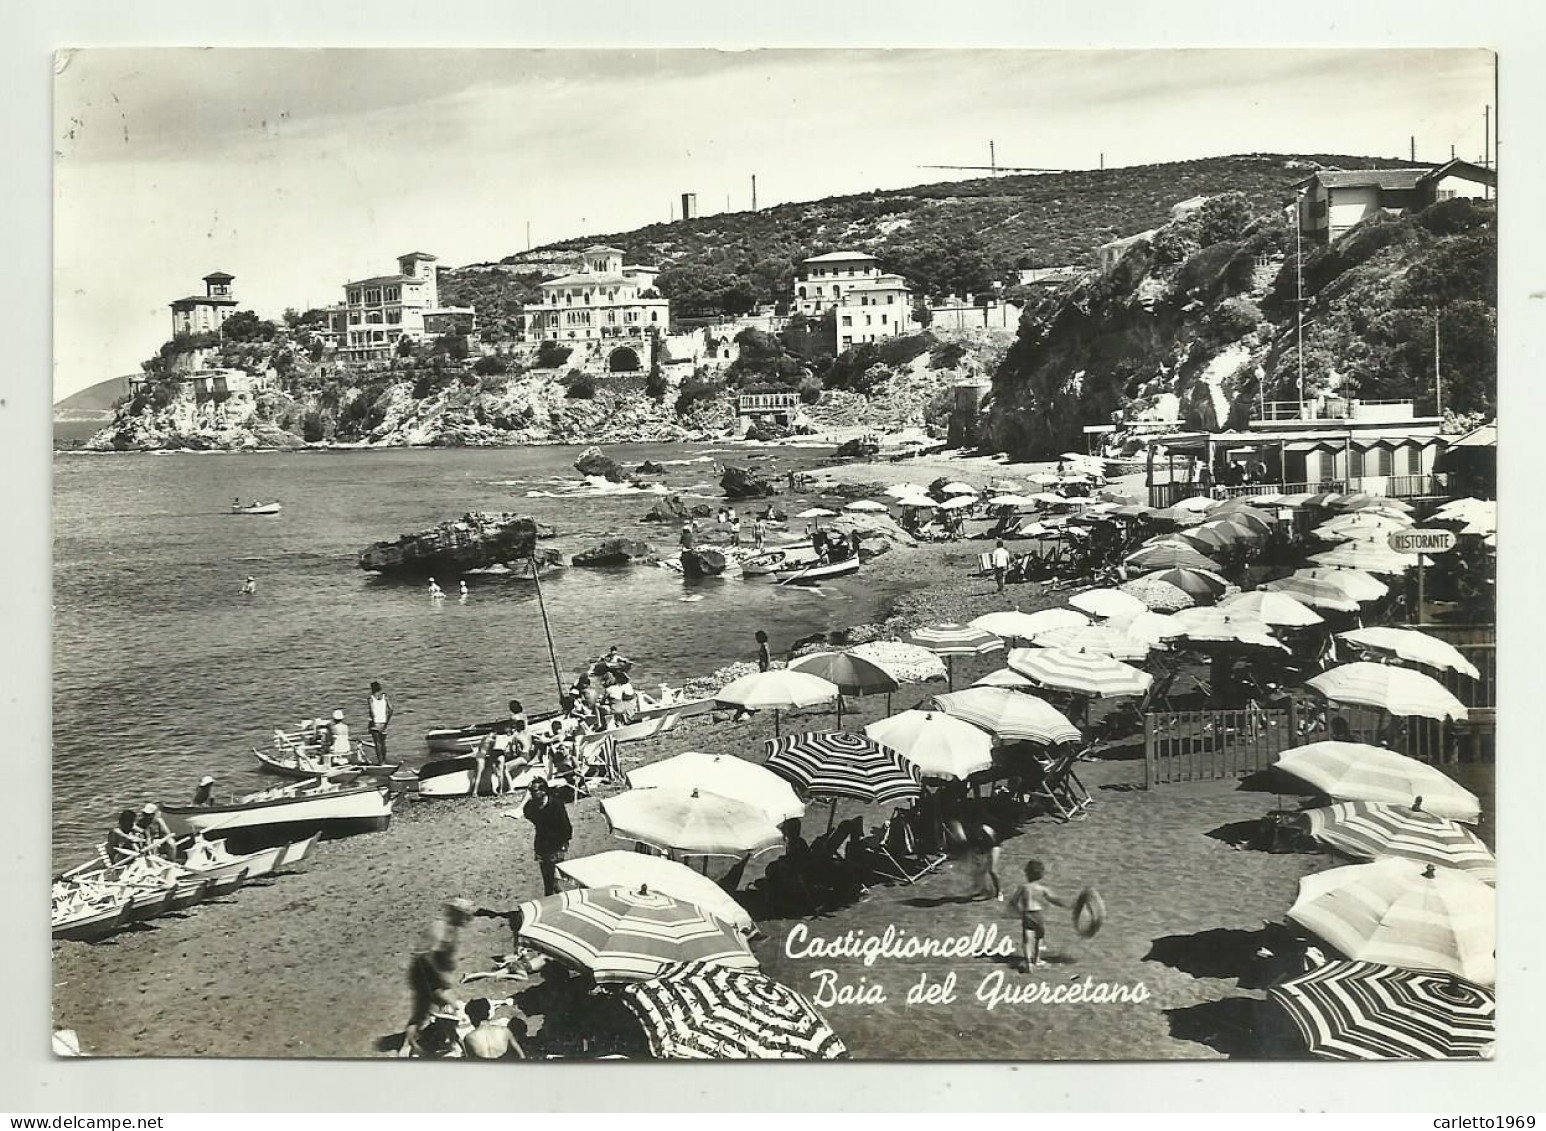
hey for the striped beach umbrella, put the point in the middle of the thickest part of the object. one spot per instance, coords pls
(1103, 639)
(1204, 586)
(1010, 716)
(1003, 677)
(1413, 646)
(1396, 691)
(1149, 627)
(1405, 914)
(620, 935)
(779, 689)
(1082, 673)
(938, 744)
(1371, 557)
(1316, 592)
(839, 764)
(1217, 625)
(1358, 584)
(1170, 556)
(1355, 771)
(1012, 624)
(1372, 830)
(1209, 538)
(1369, 1011)
(1106, 603)
(725, 775)
(952, 640)
(693, 822)
(699, 1011)
(1159, 596)
(630, 870)
(1272, 608)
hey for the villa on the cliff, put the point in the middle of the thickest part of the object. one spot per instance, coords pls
(205, 313)
(377, 313)
(1333, 200)
(868, 304)
(603, 306)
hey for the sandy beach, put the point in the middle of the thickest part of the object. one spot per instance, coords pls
(312, 963)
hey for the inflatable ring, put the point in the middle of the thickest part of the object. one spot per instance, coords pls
(1089, 913)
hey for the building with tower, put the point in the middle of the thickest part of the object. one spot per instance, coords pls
(869, 304)
(599, 303)
(205, 313)
(379, 312)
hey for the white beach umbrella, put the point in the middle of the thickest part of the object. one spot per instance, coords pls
(1356, 771)
(1106, 603)
(634, 870)
(724, 775)
(817, 512)
(959, 502)
(903, 490)
(1272, 608)
(779, 689)
(958, 489)
(1012, 624)
(866, 506)
(938, 744)
(1396, 691)
(1417, 647)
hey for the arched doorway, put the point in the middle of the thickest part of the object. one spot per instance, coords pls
(624, 359)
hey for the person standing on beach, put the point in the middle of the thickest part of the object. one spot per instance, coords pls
(379, 712)
(432, 969)
(759, 532)
(764, 657)
(984, 846)
(735, 528)
(552, 832)
(1000, 561)
(688, 538)
(1030, 900)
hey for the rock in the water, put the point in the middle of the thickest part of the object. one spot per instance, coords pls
(593, 461)
(545, 531)
(474, 541)
(669, 509)
(702, 510)
(858, 446)
(650, 467)
(616, 552)
(743, 483)
(702, 562)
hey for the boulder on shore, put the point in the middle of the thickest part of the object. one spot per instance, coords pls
(669, 509)
(616, 552)
(593, 461)
(701, 561)
(743, 483)
(474, 541)
(650, 467)
(857, 447)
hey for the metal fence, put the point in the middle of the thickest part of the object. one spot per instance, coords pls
(1188, 746)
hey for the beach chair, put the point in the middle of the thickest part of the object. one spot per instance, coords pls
(896, 852)
(1060, 788)
(598, 758)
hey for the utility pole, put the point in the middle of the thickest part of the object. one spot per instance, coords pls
(1438, 376)
(1299, 295)
(671, 212)
(528, 235)
(1103, 161)
(992, 159)
(754, 192)
(1414, 148)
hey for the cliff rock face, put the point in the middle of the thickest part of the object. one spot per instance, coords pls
(474, 541)
(1198, 322)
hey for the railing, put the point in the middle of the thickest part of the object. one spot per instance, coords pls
(1335, 408)
(767, 402)
(1186, 746)
(1163, 495)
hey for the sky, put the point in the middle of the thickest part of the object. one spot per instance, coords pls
(296, 170)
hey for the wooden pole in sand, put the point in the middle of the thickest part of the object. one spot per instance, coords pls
(558, 681)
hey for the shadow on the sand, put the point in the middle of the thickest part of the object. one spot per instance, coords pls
(1239, 834)
(1275, 781)
(1229, 952)
(941, 900)
(1231, 1025)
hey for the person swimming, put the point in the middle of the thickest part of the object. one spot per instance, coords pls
(463, 588)
(435, 590)
(249, 587)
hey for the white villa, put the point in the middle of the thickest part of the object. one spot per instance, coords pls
(869, 304)
(378, 312)
(601, 301)
(199, 314)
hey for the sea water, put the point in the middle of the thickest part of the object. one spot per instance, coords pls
(165, 672)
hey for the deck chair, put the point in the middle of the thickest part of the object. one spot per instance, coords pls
(597, 758)
(896, 852)
(1061, 789)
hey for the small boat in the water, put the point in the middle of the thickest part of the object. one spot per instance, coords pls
(703, 562)
(467, 739)
(322, 805)
(799, 555)
(820, 571)
(256, 508)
